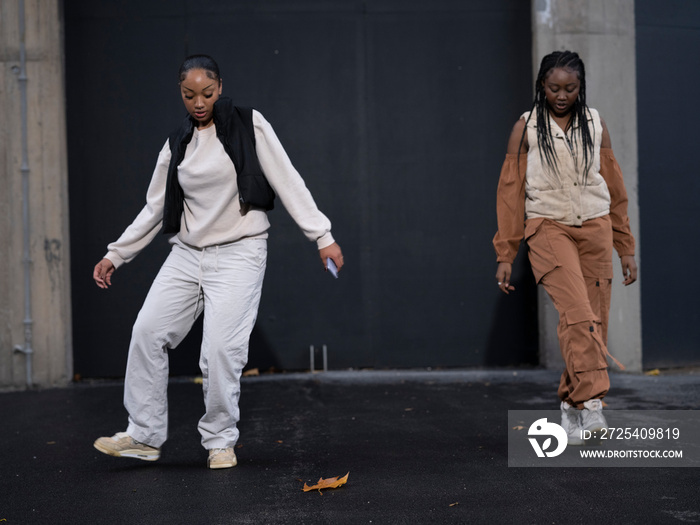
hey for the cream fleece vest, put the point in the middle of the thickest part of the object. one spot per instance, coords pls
(562, 196)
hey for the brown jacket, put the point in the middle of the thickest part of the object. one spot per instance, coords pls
(510, 205)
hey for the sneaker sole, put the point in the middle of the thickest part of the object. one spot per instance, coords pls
(135, 454)
(216, 466)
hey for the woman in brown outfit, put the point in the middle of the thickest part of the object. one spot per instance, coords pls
(561, 175)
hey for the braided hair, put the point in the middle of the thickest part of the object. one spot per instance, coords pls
(540, 107)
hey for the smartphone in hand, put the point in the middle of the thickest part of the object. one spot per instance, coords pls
(330, 265)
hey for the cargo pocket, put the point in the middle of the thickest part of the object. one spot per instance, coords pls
(586, 349)
(599, 291)
(542, 257)
(594, 356)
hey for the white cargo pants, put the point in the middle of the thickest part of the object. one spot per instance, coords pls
(226, 282)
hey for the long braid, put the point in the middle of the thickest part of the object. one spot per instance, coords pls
(581, 138)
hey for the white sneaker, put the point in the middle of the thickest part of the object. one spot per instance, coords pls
(122, 445)
(592, 417)
(221, 458)
(571, 423)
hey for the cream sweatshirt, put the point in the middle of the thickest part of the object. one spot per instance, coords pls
(212, 212)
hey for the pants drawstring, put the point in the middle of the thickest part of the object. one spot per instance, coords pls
(619, 365)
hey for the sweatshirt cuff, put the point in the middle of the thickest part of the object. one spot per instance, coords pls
(325, 241)
(116, 260)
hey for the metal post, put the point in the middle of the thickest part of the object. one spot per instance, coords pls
(26, 349)
(312, 351)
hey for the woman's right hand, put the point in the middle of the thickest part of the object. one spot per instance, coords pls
(103, 273)
(503, 277)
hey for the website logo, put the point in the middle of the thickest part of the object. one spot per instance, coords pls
(542, 428)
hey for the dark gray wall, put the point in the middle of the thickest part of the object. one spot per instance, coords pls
(396, 113)
(668, 71)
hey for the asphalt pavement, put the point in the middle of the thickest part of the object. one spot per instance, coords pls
(419, 446)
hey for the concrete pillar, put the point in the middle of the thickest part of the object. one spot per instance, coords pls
(48, 198)
(602, 32)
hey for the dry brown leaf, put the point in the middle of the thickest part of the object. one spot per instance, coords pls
(251, 373)
(654, 372)
(330, 483)
(454, 504)
(518, 427)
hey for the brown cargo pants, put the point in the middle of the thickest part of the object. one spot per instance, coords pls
(574, 264)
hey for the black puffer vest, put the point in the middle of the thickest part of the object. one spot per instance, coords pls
(234, 128)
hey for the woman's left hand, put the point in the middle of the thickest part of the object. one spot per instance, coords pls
(333, 251)
(629, 269)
